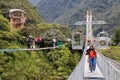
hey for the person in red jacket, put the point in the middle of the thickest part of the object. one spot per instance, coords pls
(38, 39)
(92, 58)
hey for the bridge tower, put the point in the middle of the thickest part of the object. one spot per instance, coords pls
(89, 23)
(17, 18)
(89, 26)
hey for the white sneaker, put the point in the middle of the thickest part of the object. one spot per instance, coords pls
(91, 73)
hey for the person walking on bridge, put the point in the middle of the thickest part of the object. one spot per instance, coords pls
(92, 58)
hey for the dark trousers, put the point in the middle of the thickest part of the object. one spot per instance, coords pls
(38, 43)
(28, 45)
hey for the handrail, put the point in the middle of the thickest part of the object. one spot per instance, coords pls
(30, 49)
(109, 68)
(78, 72)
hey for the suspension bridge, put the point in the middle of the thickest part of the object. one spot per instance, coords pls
(106, 69)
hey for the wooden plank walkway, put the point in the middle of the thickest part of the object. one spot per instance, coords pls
(97, 75)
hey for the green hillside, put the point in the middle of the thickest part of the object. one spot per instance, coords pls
(113, 53)
(53, 9)
(12, 39)
(38, 65)
(55, 64)
(33, 16)
(70, 11)
(34, 25)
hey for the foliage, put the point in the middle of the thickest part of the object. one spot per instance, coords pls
(50, 31)
(4, 24)
(38, 65)
(54, 33)
(33, 16)
(7, 38)
(113, 53)
(25, 66)
(44, 27)
(116, 38)
(63, 61)
(11, 37)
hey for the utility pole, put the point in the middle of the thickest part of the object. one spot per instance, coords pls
(89, 23)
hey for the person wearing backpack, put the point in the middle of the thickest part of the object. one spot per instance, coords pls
(29, 41)
(92, 58)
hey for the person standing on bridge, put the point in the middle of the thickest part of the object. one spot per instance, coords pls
(29, 42)
(92, 58)
(54, 42)
(33, 42)
(38, 39)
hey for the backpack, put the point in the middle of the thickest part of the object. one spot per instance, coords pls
(92, 54)
(29, 40)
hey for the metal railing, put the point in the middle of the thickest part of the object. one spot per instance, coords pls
(78, 72)
(109, 68)
(30, 49)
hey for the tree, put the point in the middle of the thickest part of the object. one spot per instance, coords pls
(63, 61)
(53, 56)
(4, 24)
(24, 66)
(117, 36)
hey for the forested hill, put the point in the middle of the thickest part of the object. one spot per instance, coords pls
(12, 39)
(53, 9)
(69, 11)
(34, 25)
(33, 16)
(55, 64)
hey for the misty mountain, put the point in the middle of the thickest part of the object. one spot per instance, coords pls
(34, 2)
(52, 9)
(70, 11)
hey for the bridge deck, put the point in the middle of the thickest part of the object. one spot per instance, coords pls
(32, 49)
(26, 49)
(77, 47)
(97, 75)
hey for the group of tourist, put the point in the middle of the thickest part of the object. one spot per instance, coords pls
(92, 55)
(33, 42)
